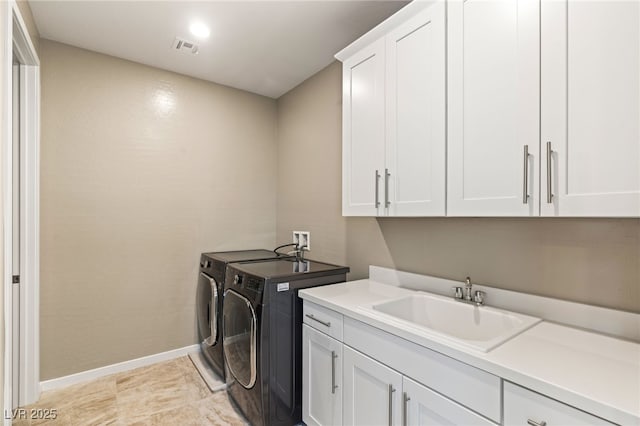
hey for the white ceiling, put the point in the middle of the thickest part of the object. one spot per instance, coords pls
(265, 47)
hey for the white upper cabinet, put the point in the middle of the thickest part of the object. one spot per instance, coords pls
(363, 131)
(394, 143)
(493, 106)
(591, 108)
(415, 115)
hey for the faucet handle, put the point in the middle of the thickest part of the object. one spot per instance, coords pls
(478, 297)
(457, 292)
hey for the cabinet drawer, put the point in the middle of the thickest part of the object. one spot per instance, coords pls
(524, 407)
(323, 319)
(426, 407)
(470, 386)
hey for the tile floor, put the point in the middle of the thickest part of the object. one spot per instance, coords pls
(167, 393)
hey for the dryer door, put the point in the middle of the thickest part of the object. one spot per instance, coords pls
(239, 337)
(207, 306)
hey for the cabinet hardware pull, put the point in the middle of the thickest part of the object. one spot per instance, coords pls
(525, 180)
(405, 413)
(549, 194)
(326, 324)
(534, 423)
(386, 187)
(391, 391)
(333, 372)
(377, 184)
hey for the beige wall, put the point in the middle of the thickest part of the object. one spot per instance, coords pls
(141, 171)
(308, 126)
(595, 261)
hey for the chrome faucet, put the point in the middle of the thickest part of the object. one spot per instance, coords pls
(467, 289)
(466, 295)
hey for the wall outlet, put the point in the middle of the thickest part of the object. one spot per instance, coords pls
(302, 238)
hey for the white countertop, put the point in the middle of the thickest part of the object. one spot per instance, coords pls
(596, 373)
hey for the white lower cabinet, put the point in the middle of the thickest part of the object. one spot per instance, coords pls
(371, 391)
(370, 378)
(374, 394)
(424, 407)
(322, 379)
(524, 407)
(466, 385)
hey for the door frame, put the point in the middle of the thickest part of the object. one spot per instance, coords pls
(16, 36)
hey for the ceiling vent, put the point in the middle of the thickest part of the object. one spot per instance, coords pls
(185, 46)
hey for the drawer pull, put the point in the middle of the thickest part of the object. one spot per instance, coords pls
(534, 423)
(391, 391)
(326, 324)
(333, 372)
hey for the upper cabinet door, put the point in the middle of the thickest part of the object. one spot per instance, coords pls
(494, 101)
(415, 182)
(363, 132)
(590, 108)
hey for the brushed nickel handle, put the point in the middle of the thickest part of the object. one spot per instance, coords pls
(534, 423)
(525, 180)
(377, 185)
(326, 324)
(549, 194)
(391, 391)
(386, 187)
(405, 417)
(333, 372)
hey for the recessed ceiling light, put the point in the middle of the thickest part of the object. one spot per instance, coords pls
(199, 30)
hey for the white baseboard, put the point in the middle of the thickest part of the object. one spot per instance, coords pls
(96, 373)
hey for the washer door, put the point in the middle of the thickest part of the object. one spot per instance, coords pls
(239, 324)
(207, 305)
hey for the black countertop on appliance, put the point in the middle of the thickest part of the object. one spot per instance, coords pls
(286, 268)
(241, 255)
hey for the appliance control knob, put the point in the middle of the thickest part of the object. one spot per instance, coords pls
(237, 280)
(207, 264)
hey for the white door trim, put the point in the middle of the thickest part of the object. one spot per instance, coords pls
(30, 230)
(7, 105)
(16, 34)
